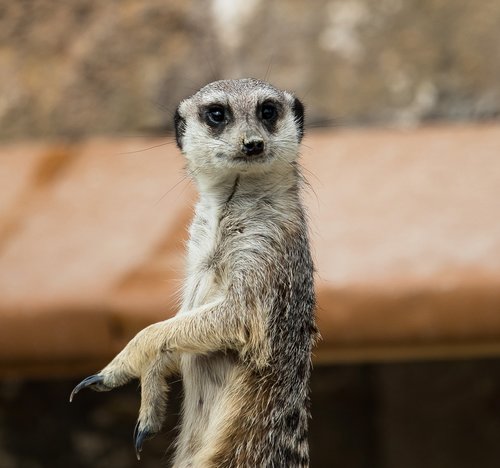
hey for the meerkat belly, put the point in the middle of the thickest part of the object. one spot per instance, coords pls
(208, 377)
(208, 380)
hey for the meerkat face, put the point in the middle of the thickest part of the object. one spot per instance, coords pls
(243, 124)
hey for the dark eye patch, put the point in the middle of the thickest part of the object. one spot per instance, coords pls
(215, 115)
(268, 113)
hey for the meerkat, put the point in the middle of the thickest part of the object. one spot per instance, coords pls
(243, 337)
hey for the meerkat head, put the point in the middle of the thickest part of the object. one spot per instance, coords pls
(245, 125)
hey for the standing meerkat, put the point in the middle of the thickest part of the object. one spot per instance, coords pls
(243, 336)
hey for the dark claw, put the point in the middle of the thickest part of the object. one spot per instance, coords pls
(95, 381)
(139, 438)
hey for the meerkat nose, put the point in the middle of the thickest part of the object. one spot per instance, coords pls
(252, 146)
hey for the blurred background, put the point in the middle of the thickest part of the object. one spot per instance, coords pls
(403, 158)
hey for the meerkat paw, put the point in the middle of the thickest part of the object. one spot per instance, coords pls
(95, 382)
(144, 358)
(114, 375)
(154, 392)
(130, 363)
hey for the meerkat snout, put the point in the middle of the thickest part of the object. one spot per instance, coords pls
(252, 145)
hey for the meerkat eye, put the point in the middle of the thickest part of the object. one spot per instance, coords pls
(215, 115)
(268, 111)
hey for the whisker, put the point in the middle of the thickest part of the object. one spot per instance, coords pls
(327, 123)
(170, 189)
(162, 107)
(268, 70)
(187, 176)
(145, 149)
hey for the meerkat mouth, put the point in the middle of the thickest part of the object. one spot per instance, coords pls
(250, 159)
(244, 158)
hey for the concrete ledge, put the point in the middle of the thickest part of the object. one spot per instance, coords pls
(405, 228)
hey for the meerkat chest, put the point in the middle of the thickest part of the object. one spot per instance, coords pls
(212, 243)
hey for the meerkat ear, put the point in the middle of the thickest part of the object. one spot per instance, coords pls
(298, 112)
(180, 128)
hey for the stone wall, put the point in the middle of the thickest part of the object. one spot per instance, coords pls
(85, 66)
